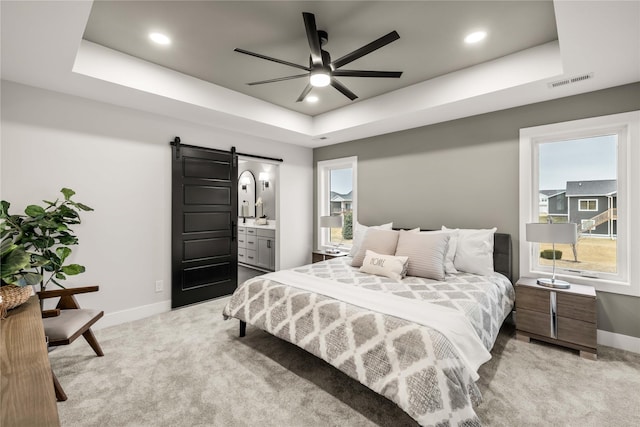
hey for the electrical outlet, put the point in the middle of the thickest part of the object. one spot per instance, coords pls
(158, 285)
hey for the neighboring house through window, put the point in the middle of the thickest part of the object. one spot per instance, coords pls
(584, 167)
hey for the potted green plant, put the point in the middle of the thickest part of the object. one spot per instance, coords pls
(35, 246)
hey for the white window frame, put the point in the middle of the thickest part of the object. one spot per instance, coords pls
(587, 200)
(627, 126)
(324, 168)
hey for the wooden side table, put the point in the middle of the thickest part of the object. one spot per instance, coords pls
(317, 256)
(566, 317)
(27, 394)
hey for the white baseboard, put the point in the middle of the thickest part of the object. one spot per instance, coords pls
(123, 316)
(622, 342)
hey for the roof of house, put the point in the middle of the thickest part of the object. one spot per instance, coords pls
(603, 187)
(551, 193)
(337, 197)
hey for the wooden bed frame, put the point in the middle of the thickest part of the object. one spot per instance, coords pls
(502, 263)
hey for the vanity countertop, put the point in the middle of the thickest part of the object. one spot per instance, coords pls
(251, 222)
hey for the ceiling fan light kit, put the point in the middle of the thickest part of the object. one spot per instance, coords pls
(321, 70)
(319, 78)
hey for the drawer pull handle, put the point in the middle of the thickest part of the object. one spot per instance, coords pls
(553, 311)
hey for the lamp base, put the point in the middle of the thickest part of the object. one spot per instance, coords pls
(550, 283)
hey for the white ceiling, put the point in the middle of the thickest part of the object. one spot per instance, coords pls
(43, 46)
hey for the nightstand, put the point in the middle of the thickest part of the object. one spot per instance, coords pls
(565, 317)
(317, 256)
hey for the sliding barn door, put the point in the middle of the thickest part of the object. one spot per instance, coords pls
(204, 215)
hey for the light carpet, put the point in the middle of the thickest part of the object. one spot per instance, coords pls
(188, 367)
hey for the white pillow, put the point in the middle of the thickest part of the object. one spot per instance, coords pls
(393, 267)
(359, 232)
(474, 250)
(380, 241)
(426, 252)
(452, 245)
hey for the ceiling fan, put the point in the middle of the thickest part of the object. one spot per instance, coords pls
(321, 70)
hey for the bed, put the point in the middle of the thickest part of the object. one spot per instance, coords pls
(415, 340)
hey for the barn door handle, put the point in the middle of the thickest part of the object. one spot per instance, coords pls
(233, 231)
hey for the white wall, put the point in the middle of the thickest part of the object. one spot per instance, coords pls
(118, 161)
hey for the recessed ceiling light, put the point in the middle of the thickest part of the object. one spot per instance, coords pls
(311, 98)
(160, 38)
(475, 37)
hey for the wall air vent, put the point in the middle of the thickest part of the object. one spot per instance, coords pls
(570, 80)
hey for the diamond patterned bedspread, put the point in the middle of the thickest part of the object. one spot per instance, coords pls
(413, 365)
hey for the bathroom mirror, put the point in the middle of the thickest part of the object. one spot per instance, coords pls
(246, 195)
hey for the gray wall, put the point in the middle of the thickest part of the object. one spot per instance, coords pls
(464, 173)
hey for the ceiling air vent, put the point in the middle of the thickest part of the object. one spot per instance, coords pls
(570, 80)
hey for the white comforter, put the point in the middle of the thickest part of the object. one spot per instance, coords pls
(448, 321)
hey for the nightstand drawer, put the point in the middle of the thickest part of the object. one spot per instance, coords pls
(577, 331)
(532, 299)
(533, 322)
(577, 307)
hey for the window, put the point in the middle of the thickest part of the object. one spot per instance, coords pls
(590, 162)
(336, 187)
(588, 205)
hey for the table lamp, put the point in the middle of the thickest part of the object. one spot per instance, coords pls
(552, 233)
(332, 221)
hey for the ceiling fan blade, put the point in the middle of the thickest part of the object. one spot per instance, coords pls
(312, 37)
(342, 89)
(304, 93)
(279, 79)
(364, 50)
(268, 58)
(360, 73)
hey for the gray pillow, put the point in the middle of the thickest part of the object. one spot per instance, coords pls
(383, 242)
(426, 252)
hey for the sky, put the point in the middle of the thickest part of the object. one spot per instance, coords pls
(341, 180)
(577, 160)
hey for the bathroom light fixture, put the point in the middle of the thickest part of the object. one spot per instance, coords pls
(264, 179)
(311, 99)
(475, 37)
(244, 181)
(159, 38)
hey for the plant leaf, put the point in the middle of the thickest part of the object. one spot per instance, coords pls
(15, 261)
(34, 211)
(83, 207)
(63, 252)
(68, 193)
(31, 278)
(73, 269)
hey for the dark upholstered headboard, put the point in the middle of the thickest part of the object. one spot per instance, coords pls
(502, 256)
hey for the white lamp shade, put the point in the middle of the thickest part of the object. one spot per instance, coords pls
(331, 221)
(552, 233)
(263, 176)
